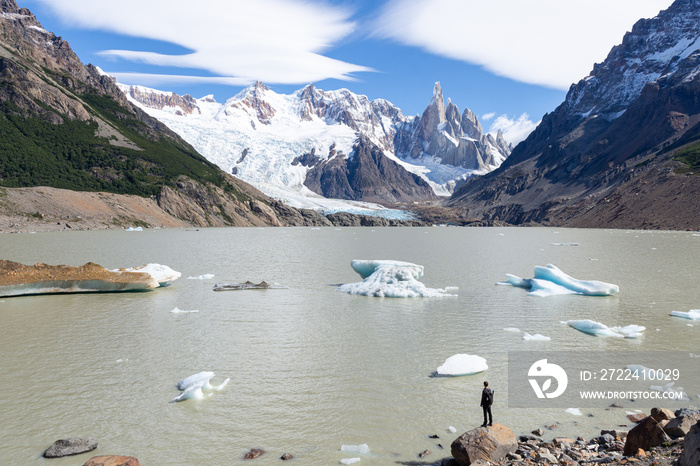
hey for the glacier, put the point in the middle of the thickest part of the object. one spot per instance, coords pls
(391, 279)
(550, 281)
(260, 136)
(161, 273)
(192, 387)
(462, 364)
(596, 328)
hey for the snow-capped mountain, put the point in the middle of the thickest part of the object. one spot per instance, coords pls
(605, 156)
(275, 141)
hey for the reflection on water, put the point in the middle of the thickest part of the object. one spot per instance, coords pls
(312, 369)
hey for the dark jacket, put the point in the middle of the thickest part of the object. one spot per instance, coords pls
(486, 397)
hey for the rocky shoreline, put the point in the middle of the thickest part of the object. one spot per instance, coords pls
(662, 438)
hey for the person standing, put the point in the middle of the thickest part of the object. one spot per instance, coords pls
(486, 402)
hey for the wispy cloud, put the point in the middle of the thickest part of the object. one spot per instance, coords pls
(514, 130)
(275, 41)
(487, 116)
(546, 42)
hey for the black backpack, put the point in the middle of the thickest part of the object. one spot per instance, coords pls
(489, 396)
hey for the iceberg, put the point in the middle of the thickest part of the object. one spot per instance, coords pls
(206, 276)
(462, 364)
(192, 387)
(161, 273)
(693, 314)
(537, 337)
(596, 328)
(550, 280)
(350, 460)
(512, 329)
(574, 411)
(17, 279)
(391, 279)
(182, 311)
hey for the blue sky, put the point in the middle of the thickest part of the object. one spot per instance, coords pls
(509, 61)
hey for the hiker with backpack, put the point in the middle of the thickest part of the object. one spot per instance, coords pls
(486, 402)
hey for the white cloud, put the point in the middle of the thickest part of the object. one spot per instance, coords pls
(546, 42)
(487, 116)
(275, 41)
(513, 131)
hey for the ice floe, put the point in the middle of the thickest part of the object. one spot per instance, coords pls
(192, 387)
(391, 279)
(596, 328)
(536, 336)
(574, 411)
(693, 314)
(206, 276)
(550, 280)
(350, 460)
(182, 311)
(462, 364)
(512, 329)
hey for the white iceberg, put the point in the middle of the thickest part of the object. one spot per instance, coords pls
(161, 273)
(134, 229)
(596, 328)
(350, 460)
(391, 279)
(693, 314)
(193, 385)
(574, 411)
(512, 329)
(462, 364)
(550, 281)
(537, 337)
(206, 276)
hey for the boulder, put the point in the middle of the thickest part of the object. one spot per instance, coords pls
(690, 456)
(112, 460)
(636, 417)
(662, 414)
(680, 426)
(70, 446)
(485, 444)
(254, 453)
(645, 435)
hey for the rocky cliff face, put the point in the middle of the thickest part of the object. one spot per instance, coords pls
(454, 138)
(368, 175)
(611, 133)
(45, 90)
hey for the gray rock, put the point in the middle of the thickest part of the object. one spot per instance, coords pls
(546, 458)
(70, 446)
(690, 456)
(486, 444)
(681, 425)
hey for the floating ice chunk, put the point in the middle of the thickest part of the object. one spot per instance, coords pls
(193, 385)
(180, 311)
(161, 273)
(574, 411)
(206, 276)
(362, 449)
(462, 364)
(350, 460)
(391, 279)
(512, 329)
(564, 244)
(452, 429)
(134, 229)
(550, 281)
(367, 267)
(593, 328)
(537, 336)
(693, 314)
(630, 331)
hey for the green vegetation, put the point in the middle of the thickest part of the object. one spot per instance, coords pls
(36, 152)
(690, 156)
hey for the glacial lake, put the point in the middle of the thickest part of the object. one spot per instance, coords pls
(313, 369)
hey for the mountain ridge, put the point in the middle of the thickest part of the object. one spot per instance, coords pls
(610, 136)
